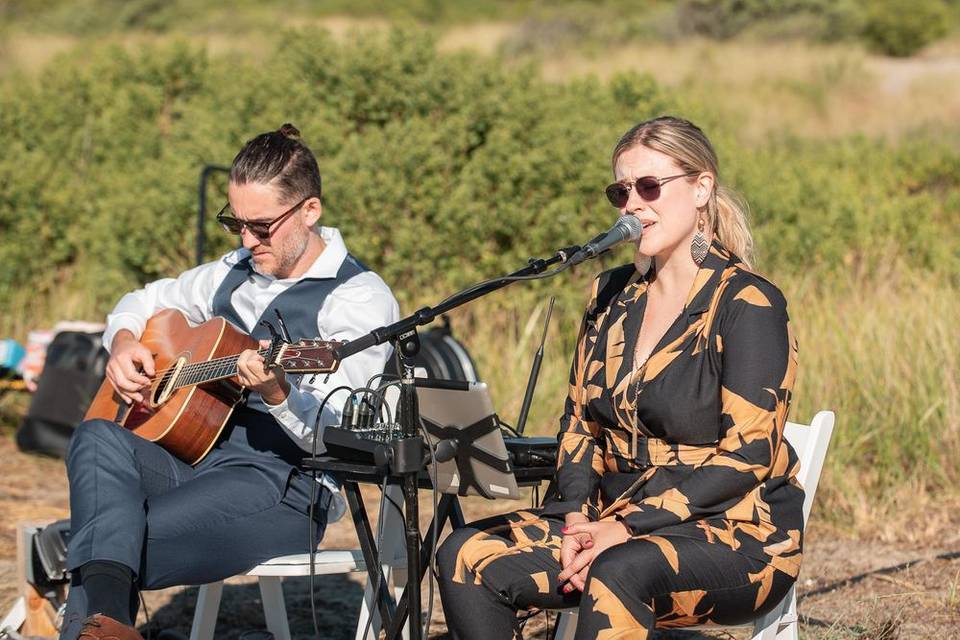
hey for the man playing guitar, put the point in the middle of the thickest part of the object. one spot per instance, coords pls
(142, 518)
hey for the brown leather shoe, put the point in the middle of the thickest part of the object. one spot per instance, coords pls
(101, 627)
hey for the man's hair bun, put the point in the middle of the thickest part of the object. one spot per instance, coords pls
(289, 131)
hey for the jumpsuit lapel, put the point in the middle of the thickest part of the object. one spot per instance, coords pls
(699, 299)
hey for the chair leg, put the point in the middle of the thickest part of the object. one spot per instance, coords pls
(205, 616)
(274, 607)
(780, 623)
(368, 608)
(566, 625)
(399, 575)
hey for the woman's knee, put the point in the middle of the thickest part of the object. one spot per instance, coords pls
(449, 551)
(635, 566)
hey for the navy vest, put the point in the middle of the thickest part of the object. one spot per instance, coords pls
(299, 306)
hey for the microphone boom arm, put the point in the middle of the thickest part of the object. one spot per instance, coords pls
(426, 315)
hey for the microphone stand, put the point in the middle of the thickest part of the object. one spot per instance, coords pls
(406, 455)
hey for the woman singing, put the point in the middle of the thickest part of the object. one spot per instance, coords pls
(678, 502)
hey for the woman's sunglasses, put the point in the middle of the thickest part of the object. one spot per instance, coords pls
(259, 230)
(648, 188)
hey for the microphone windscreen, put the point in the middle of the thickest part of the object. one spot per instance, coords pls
(632, 227)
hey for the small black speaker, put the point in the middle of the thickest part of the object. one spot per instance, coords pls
(72, 373)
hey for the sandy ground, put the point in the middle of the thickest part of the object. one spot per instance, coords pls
(848, 588)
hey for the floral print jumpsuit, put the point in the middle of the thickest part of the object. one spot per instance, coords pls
(686, 449)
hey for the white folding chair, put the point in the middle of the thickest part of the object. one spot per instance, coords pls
(810, 442)
(326, 562)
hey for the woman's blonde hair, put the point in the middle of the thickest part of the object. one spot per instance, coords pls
(689, 147)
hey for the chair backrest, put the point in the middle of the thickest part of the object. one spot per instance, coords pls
(810, 442)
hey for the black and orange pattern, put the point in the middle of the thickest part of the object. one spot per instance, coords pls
(686, 449)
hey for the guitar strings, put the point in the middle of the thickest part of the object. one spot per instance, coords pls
(193, 368)
(199, 372)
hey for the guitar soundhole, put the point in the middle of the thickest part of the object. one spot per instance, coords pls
(159, 392)
(166, 385)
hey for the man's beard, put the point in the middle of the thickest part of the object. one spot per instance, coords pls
(291, 253)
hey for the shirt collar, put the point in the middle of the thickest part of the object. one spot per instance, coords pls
(328, 262)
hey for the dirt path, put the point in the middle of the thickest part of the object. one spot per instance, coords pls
(842, 593)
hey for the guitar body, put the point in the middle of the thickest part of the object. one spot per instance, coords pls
(185, 421)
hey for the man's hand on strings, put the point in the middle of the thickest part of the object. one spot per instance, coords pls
(131, 368)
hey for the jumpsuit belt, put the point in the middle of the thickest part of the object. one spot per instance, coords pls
(654, 452)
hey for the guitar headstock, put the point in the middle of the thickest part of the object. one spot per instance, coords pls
(309, 356)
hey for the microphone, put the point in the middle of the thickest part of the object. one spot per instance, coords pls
(626, 228)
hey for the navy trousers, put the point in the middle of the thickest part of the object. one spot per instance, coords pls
(134, 503)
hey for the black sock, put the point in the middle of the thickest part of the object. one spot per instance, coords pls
(108, 586)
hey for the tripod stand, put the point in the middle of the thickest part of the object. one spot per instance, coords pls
(406, 455)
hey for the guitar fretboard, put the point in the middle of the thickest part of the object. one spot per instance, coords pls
(203, 372)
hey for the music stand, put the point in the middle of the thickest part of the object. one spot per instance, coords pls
(471, 457)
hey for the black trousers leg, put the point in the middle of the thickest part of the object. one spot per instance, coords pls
(674, 581)
(173, 524)
(492, 568)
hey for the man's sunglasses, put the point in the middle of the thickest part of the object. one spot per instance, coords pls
(259, 230)
(648, 188)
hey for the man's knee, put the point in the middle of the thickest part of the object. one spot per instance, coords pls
(93, 433)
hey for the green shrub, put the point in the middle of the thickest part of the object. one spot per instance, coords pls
(101, 161)
(821, 19)
(892, 27)
(903, 27)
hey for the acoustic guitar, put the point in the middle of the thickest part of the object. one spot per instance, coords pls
(195, 387)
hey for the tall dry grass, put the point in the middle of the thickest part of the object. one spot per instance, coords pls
(881, 350)
(883, 353)
(809, 90)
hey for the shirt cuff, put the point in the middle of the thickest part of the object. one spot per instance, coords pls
(118, 322)
(282, 412)
(647, 520)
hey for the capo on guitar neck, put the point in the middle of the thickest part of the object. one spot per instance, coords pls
(277, 340)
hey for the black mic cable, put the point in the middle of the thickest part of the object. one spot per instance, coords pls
(313, 500)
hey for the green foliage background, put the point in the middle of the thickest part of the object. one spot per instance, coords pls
(101, 159)
(444, 169)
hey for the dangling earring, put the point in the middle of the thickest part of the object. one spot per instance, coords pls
(699, 246)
